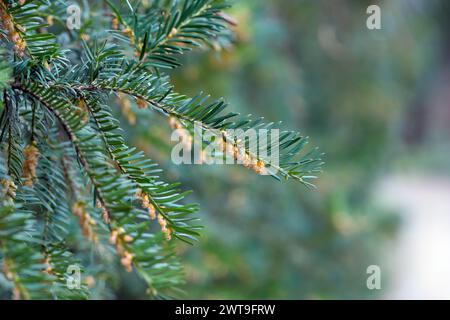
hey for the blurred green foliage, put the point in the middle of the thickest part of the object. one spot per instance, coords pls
(315, 65)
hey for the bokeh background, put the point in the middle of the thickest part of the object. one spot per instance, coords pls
(377, 102)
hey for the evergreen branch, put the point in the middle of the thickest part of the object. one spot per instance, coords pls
(164, 198)
(136, 82)
(23, 29)
(134, 244)
(160, 35)
(64, 159)
(22, 262)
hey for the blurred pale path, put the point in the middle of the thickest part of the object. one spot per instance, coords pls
(420, 255)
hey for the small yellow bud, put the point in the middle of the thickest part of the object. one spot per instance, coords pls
(50, 20)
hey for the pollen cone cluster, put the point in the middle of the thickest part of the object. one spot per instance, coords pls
(31, 155)
(145, 201)
(186, 138)
(18, 291)
(241, 156)
(141, 103)
(13, 35)
(48, 264)
(115, 23)
(125, 107)
(119, 239)
(85, 221)
(8, 190)
(82, 110)
(163, 223)
(105, 213)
